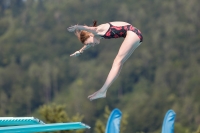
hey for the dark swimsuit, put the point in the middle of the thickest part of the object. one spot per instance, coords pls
(120, 31)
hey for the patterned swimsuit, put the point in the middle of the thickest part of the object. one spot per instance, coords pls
(120, 31)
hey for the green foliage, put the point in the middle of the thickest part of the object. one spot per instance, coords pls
(99, 127)
(198, 130)
(54, 113)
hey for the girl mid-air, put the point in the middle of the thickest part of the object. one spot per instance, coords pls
(91, 36)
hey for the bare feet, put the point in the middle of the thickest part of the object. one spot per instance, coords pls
(97, 95)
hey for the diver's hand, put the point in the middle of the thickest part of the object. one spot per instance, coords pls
(75, 54)
(72, 28)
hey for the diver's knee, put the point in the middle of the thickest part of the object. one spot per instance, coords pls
(118, 61)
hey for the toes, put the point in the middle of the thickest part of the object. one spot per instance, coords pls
(90, 96)
(96, 96)
(91, 99)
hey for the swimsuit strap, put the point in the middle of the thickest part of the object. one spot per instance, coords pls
(110, 24)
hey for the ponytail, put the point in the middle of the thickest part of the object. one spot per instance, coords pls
(94, 23)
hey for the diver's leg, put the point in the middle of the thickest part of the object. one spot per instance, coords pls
(130, 43)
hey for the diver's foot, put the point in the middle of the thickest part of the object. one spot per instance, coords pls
(97, 95)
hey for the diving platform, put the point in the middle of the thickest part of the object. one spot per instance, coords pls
(33, 125)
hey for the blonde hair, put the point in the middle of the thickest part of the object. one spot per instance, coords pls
(84, 35)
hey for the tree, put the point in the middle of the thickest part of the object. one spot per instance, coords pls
(54, 113)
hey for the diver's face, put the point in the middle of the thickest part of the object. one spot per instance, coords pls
(92, 41)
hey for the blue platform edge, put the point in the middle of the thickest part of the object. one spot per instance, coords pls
(43, 128)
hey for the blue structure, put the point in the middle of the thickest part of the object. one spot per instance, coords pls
(31, 124)
(113, 124)
(16, 121)
(168, 123)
